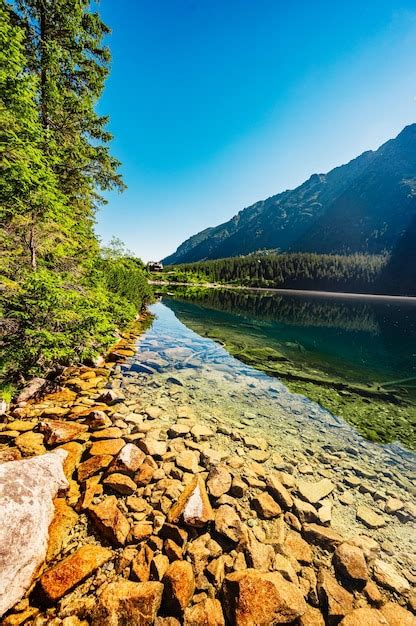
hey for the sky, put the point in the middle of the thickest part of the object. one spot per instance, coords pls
(216, 104)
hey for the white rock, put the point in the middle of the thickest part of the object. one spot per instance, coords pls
(27, 490)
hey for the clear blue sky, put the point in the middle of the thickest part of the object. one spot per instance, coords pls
(216, 104)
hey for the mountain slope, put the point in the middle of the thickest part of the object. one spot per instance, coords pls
(363, 206)
(399, 275)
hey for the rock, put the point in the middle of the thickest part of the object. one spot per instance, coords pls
(279, 491)
(393, 505)
(200, 432)
(110, 521)
(167, 621)
(63, 522)
(238, 488)
(121, 483)
(314, 492)
(30, 444)
(372, 593)
(158, 566)
(141, 563)
(312, 617)
(57, 431)
(97, 419)
(93, 465)
(90, 489)
(113, 432)
(350, 563)
(111, 396)
(153, 412)
(63, 577)
(297, 548)
(346, 498)
(369, 546)
(193, 505)
(10, 454)
(124, 603)
(34, 387)
(386, 575)
(178, 430)
(219, 481)
(179, 587)
(258, 555)
(152, 446)
(74, 453)
(27, 490)
(206, 613)
(145, 473)
(396, 615)
(141, 531)
(370, 518)
(252, 597)
(336, 600)
(228, 523)
(188, 461)
(265, 506)
(364, 616)
(322, 535)
(107, 446)
(260, 456)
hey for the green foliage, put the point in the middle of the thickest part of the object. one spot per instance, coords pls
(356, 272)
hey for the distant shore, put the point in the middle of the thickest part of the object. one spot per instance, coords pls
(294, 292)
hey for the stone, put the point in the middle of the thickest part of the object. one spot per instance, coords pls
(121, 483)
(322, 535)
(205, 613)
(158, 566)
(152, 446)
(90, 489)
(178, 430)
(258, 555)
(219, 481)
(193, 505)
(312, 617)
(145, 473)
(260, 456)
(350, 563)
(63, 522)
(228, 523)
(336, 600)
(110, 521)
(153, 412)
(30, 444)
(188, 460)
(64, 576)
(372, 593)
(93, 465)
(346, 498)
(179, 587)
(111, 396)
(106, 446)
(201, 432)
(74, 453)
(387, 576)
(140, 531)
(369, 546)
(97, 419)
(364, 616)
(266, 506)
(27, 491)
(140, 566)
(314, 492)
(112, 432)
(238, 488)
(396, 615)
(296, 547)
(252, 597)
(125, 603)
(370, 518)
(10, 454)
(57, 431)
(279, 491)
(34, 387)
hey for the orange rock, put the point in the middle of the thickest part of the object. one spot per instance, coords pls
(140, 531)
(145, 474)
(206, 613)
(179, 586)
(141, 563)
(64, 520)
(107, 446)
(112, 432)
(312, 617)
(396, 615)
(58, 580)
(121, 483)
(297, 547)
(75, 451)
(90, 488)
(193, 505)
(63, 395)
(252, 597)
(350, 563)
(365, 616)
(128, 461)
(93, 465)
(126, 602)
(337, 600)
(57, 431)
(110, 521)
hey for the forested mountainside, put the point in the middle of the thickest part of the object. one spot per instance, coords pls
(363, 206)
(399, 275)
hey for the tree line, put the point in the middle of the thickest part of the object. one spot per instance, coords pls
(328, 272)
(62, 297)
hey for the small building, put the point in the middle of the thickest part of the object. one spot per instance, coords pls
(155, 266)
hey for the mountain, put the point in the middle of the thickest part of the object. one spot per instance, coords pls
(399, 275)
(363, 206)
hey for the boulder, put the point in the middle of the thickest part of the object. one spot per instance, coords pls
(396, 615)
(370, 518)
(63, 522)
(312, 617)
(57, 431)
(193, 505)
(350, 563)
(266, 506)
(124, 602)
(336, 600)
(107, 446)
(322, 535)
(188, 460)
(27, 490)
(252, 597)
(219, 481)
(152, 446)
(128, 460)
(365, 615)
(205, 613)
(296, 547)
(30, 444)
(179, 587)
(386, 575)
(120, 483)
(64, 576)
(228, 523)
(110, 521)
(93, 465)
(314, 492)
(279, 491)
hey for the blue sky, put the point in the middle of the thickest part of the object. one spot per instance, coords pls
(215, 104)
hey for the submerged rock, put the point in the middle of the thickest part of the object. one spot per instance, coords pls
(27, 490)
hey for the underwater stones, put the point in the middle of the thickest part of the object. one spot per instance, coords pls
(27, 490)
(219, 481)
(110, 521)
(350, 563)
(387, 576)
(370, 518)
(127, 602)
(314, 492)
(193, 505)
(61, 578)
(252, 597)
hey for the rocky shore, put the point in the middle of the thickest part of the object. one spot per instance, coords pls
(117, 512)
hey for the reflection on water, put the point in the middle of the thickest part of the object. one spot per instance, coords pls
(355, 358)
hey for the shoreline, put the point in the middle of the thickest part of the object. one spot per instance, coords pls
(345, 295)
